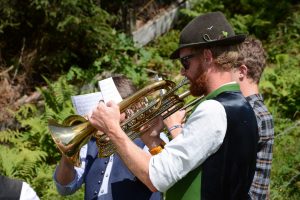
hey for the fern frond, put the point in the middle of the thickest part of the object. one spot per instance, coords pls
(9, 136)
(50, 100)
(36, 125)
(26, 111)
(20, 162)
(8, 157)
(57, 93)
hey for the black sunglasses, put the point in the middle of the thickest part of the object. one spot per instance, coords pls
(185, 61)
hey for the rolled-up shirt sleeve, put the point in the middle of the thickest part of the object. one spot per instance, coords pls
(74, 185)
(69, 188)
(201, 136)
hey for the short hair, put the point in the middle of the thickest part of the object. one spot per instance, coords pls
(253, 55)
(225, 56)
(124, 85)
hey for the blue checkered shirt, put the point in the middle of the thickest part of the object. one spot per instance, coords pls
(260, 184)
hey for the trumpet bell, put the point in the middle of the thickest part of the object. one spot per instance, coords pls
(71, 135)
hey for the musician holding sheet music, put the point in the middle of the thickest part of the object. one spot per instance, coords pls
(104, 178)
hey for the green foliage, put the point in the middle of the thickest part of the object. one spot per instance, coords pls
(65, 33)
(247, 16)
(286, 161)
(197, 8)
(121, 58)
(57, 98)
(9, 136)
(20, 162)
(277, 85)
(205, 6)
(247, 23)
(44, 185)
(136, 63)
(280, 89)
(24, 155)
(156, 56)
(166, 44)
(260, 15)
(286, 37)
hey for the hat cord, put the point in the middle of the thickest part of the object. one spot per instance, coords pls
(207, 38)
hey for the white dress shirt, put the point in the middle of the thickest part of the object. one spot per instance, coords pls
(27, 193)
(201, 136)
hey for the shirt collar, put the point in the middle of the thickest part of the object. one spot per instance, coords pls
(231, 86)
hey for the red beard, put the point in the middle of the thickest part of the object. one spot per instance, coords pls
(198, 87)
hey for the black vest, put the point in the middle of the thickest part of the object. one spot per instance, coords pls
(229, 172)
(10, 189)
(122, 185)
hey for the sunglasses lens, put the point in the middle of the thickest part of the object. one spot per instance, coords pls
(185, 61)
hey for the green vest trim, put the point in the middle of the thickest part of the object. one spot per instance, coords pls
(189, 187)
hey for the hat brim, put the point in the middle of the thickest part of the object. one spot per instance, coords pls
(226, 41)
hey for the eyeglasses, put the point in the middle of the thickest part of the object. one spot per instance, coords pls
(185, 61)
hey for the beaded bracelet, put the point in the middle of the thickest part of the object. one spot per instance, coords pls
(174, 127)
(157, 149)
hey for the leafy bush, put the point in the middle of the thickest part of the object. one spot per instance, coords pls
(285, 179)
(286, 37)
(23, 155)
(280, 89)
(48, 36)
(139, 64)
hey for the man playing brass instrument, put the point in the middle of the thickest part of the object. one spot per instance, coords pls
(104, 178)
(220, 136)
(247, 72)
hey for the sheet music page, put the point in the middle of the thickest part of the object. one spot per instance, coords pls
(85, 103)
(109, 90)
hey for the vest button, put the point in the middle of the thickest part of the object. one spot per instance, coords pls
(102, 172)
(99, 182)
(95, 192)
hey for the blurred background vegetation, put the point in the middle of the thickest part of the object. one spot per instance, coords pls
(50, 50)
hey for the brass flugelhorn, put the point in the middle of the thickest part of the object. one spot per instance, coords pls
(140, 108)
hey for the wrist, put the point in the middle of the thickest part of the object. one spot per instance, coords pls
(66, 161)
(115, 133)
(176, 126)
(174, 130)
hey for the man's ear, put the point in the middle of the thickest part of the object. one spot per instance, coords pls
(243, 71)
(207, 54)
